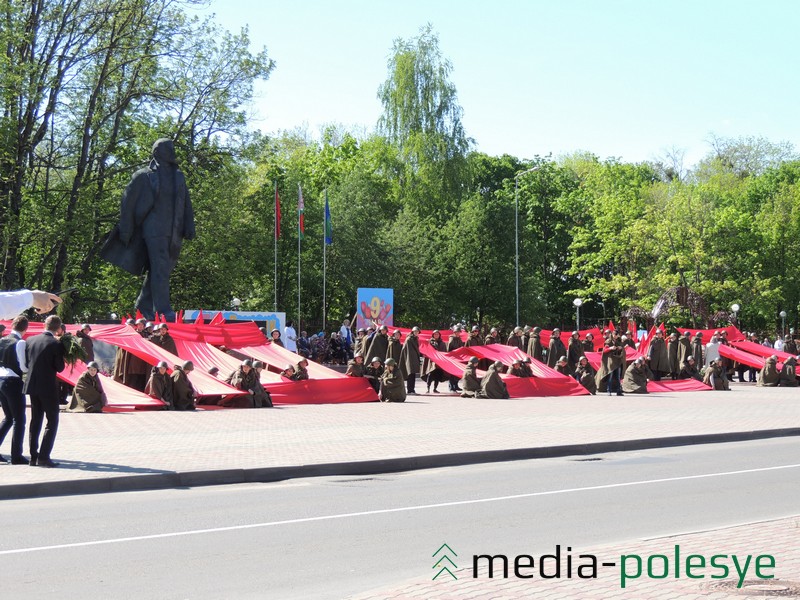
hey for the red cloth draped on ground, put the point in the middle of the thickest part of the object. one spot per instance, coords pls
(759, 350)
(740, 356)
(595, 358)
(545, 381)
(677, 385)
(324, 386)
(119, 395)
(733, 333)
(127, 339)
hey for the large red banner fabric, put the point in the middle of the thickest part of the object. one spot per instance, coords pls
(118, 394)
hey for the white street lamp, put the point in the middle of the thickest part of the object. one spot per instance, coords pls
(735, 308)
(577, 303)
(783, 323)
(516, 229)
(236, 303)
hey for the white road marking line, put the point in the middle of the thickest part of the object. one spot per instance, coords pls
(390, 510)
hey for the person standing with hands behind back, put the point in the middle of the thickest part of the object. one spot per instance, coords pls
(45, 357)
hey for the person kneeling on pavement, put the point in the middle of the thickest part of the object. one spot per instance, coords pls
(261, 397)
(393, 387)
(492, 385)
(689, 370)
(159, 386)
(355, 367)
(585, 375)
(789, 373)
(470, 382)
(88, 395)
(715, 376)
(769, 375)
(373, 373)
(636, 376)
(301, 370)
(183, 393)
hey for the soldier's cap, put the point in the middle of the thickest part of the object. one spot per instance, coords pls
(141, 320)
(258, 364)
(436, 331)
(516, 361)
(517, 329)
(456, 327)
(390, 362)
(687, 333)
(93, 365)
(698, 334)
(556, 330)
(537, 330)
(493, 330)
(475, 328)
(498, 364)
(473, 360)
(397, 332)
(375, 359)
(384, 328)
(213, 370)
(188, 365)
(526, 328)
(163, 363)
(576, 333)
(361, 330)
(86, 326)
(415, 329)
(562, 359)
(288, 367)
(690, 358)
(526, 360)
(639, 360)
(582, 358)
(589, 335)
(247, 362)
(163, 326)
(358, 355)
(148, 325)
(274, 330)
(787, 337)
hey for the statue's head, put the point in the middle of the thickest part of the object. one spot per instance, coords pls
(164, 151)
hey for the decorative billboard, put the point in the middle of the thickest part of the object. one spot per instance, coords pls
(375, 307)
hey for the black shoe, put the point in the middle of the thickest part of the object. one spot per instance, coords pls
(47, 464)
(620, 394)
(3, 459)
(32, 462)
(435, 391)
(19, 461)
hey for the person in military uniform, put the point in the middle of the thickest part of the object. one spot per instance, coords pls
(672, 355)
(86, 342)
(535, 348)
(410, 360)
(556, 349)
(609, 377)
(562, 366)
(379, 344)
(244, 379)
(183, 393)
(517, 370)
(698, 347)
(261, 397)
(392, 383)
(159, 386)
(588, 343)
(492, 385)
(155, 217)
(129, 368)
(657, 356)
(492, 338)
(585, 375)
(301, 370)
(470, 382)
(431, 373)
(275, 337)
(164, 339)
(88, 395)
(689, 370)
(355, 367)
(769, 376)
(636, 377)
(373, 373)
(395, 347)
(684, 348)
(454, 343)
(789, 345)
(788, 376)
(474, 338)
(526, 366)
(574, 350)
(716, 377)
(358, 344)
(515, 339)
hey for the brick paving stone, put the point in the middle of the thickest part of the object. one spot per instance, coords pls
(133, 444)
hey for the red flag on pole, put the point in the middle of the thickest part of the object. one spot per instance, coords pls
(199, 320)
(218, 319)
(138, 315)
(611, 326)
(277, 213)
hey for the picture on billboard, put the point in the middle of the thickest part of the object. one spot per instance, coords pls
(375, 307)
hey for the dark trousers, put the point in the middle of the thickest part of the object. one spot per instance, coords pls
(13, 401)
(154, 297)
(453, 383)
(42, 406)
(410, 381)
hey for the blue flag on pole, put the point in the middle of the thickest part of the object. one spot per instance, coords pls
(328, 224)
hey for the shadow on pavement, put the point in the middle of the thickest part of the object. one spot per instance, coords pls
(105, 467)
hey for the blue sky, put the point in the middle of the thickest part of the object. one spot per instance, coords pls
(616, 78)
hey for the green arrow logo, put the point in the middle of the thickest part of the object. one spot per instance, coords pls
(443, 560)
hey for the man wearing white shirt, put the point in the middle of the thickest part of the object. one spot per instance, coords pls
(13, 366)
(290, 337)
(13, 303)
(712, 349)
(778, 345)
(347, 338)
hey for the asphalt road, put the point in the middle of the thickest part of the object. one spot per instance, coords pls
(331, 537)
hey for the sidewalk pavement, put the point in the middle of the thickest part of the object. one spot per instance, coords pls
(150, 450)
(779, 539)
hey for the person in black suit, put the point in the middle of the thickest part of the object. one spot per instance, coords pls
(45, 358)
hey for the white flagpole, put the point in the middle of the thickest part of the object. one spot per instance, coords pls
(275, 280)
(298, 259)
